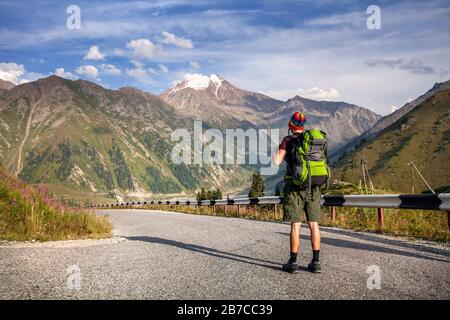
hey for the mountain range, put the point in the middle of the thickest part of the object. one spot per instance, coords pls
(223, 105)
(420, 133)
(388, 120)
(86, 141)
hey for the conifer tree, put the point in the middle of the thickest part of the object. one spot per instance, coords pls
(257, 189)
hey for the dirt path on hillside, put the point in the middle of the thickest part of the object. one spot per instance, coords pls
(27, 132)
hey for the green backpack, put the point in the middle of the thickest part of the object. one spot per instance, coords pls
(306, 161)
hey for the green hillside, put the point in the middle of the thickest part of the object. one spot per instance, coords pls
(28, 213)
(87, 142)
(422, 136)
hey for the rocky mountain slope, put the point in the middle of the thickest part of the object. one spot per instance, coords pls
(396, 115)
(386, 121)
(84, 140)
(341, 121)
(214, 99)
(421, 135)
(6, 85)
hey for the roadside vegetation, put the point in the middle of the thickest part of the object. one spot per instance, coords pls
(28, 213)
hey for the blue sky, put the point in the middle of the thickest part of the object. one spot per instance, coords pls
(319, 49)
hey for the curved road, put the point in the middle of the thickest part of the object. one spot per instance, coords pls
(163, 255)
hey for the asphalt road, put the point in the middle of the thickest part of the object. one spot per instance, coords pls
(162, 255)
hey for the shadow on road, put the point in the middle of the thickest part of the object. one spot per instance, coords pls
(370, 247)
(210, 251)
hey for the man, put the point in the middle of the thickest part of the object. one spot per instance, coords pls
(298, 199)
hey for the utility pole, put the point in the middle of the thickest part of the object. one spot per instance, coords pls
(368, 177)
(421, 176)
(364, 175)
(362, 178)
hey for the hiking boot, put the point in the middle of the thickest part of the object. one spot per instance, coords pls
(314, 267)
(291, 267)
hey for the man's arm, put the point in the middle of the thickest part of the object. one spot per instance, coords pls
(281, 153)
(279, 156)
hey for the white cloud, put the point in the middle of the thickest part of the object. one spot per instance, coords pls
(11, 72)
(163, 68)
(140, 71)
(315, 93)
(137, 73)
(94, 54)
(194, 65)
(170, 38)
(88, 71)
(137, 64)
(351, 19)
(120, 52)
(152, 71)
(176, 82)
(31, 76)
(143, 49)
(60, 72)
(110, 69)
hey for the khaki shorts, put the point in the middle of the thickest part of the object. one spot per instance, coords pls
(297, 201)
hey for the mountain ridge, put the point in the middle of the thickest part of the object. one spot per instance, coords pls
(230, 106)
(387, 120)
(388, 153)
(6, 85)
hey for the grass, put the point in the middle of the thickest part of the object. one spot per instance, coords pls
(27, 213)
(423, 224)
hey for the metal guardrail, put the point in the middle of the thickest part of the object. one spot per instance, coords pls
(402, 201)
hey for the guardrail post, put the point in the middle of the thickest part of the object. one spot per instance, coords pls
(448, 220)
(214, 209)
(275, 210)
(225, 208)
(380, 212)
(333, 214)
(239, 209)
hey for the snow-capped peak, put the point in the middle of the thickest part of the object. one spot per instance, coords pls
(199, 81)
(216, 79)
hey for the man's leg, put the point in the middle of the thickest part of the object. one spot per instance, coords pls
(313, 215)
(291, 265)
(295, 236)
(314, 266)
(315, 235)
(292, 212)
